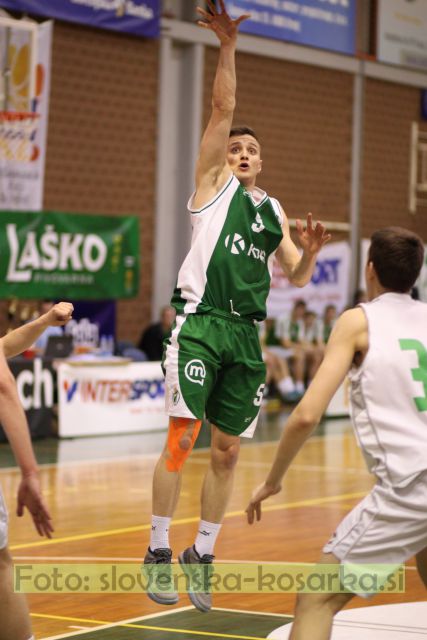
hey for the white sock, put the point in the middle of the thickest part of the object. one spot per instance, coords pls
(286, 385)
(159, 538)
(206, 537)
(299, 386)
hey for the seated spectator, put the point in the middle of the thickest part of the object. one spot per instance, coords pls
(328, 321)
(277, 370)
(290, 331)
(40, 344)
(312, 345)
(151, 341)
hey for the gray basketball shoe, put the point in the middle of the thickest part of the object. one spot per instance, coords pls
(156, 574)
(199, 570)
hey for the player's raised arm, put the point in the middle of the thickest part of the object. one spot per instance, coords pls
(348, 337)
(212, 169)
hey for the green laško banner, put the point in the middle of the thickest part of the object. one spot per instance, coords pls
(68, 256)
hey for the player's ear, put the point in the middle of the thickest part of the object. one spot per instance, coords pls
(260, 166)
(370, 272)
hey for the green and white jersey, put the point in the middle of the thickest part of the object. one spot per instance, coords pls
(389, 389)
(229, 264)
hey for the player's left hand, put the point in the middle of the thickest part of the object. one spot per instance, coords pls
(261, 493)
(30, 497)
(60, 314)
(312, 238)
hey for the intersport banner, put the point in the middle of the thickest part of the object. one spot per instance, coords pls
(68, 256)
(22, 173)
(101, 399)
(329, 284)
(140, 17)
(327, 24)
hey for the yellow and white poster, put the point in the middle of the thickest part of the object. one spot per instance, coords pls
(25, 58)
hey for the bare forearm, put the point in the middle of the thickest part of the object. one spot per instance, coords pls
(22, 338)
(296, 432)
(224, 89)
(13, 420)
(303, 270)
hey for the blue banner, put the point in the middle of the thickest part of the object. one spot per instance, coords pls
(326, 24)
(140, 17)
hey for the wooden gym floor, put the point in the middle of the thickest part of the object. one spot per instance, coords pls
(99, 493)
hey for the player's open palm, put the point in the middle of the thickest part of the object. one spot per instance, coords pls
(312, 238)
(261, 493)
(30, 497)
(220, 22)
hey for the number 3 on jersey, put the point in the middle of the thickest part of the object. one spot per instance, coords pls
(419, 374)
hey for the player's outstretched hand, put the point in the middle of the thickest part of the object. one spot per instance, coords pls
(261, 493)
(312, 238)
(220, 22)
(60, 314)
(30, 497)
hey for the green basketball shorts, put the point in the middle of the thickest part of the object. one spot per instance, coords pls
(214, 368)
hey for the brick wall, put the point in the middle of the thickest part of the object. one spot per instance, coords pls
(389, 111)
(101, 148)
(102, 139)
(302, 115)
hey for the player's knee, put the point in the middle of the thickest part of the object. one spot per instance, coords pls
(225, 459)
(182, 435)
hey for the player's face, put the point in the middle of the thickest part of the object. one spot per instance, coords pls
(244, 158)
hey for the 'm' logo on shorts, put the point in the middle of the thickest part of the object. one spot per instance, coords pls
(195, 371)
(237, 243)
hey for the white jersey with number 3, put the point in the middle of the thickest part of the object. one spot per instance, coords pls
(389, 389)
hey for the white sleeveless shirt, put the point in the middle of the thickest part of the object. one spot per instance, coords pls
(389, 390)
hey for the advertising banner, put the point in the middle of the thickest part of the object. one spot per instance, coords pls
(402, 32)
(68, 256)
(23, 142)
(140, 17)
(326, 24)
(329, 284)
(103, 399)
(36, 383)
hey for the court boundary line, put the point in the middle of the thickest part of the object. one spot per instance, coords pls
(129, 624)
(180, 521)
(146, 617)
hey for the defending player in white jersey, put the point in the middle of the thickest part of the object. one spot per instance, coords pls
(382, 344)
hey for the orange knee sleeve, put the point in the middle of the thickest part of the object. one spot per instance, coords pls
(182, 435)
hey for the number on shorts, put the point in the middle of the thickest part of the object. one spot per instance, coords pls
(259, 395)
(419, 374)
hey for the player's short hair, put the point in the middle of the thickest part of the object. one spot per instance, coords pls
(397, 255)
(243, 131)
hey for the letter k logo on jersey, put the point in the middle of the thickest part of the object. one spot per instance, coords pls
(237, 243)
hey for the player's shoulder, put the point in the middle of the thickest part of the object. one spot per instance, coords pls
(352, 321)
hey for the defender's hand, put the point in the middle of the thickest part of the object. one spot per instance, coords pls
(30, 497)
(261, 493)
(60, 314)
(220, 22)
